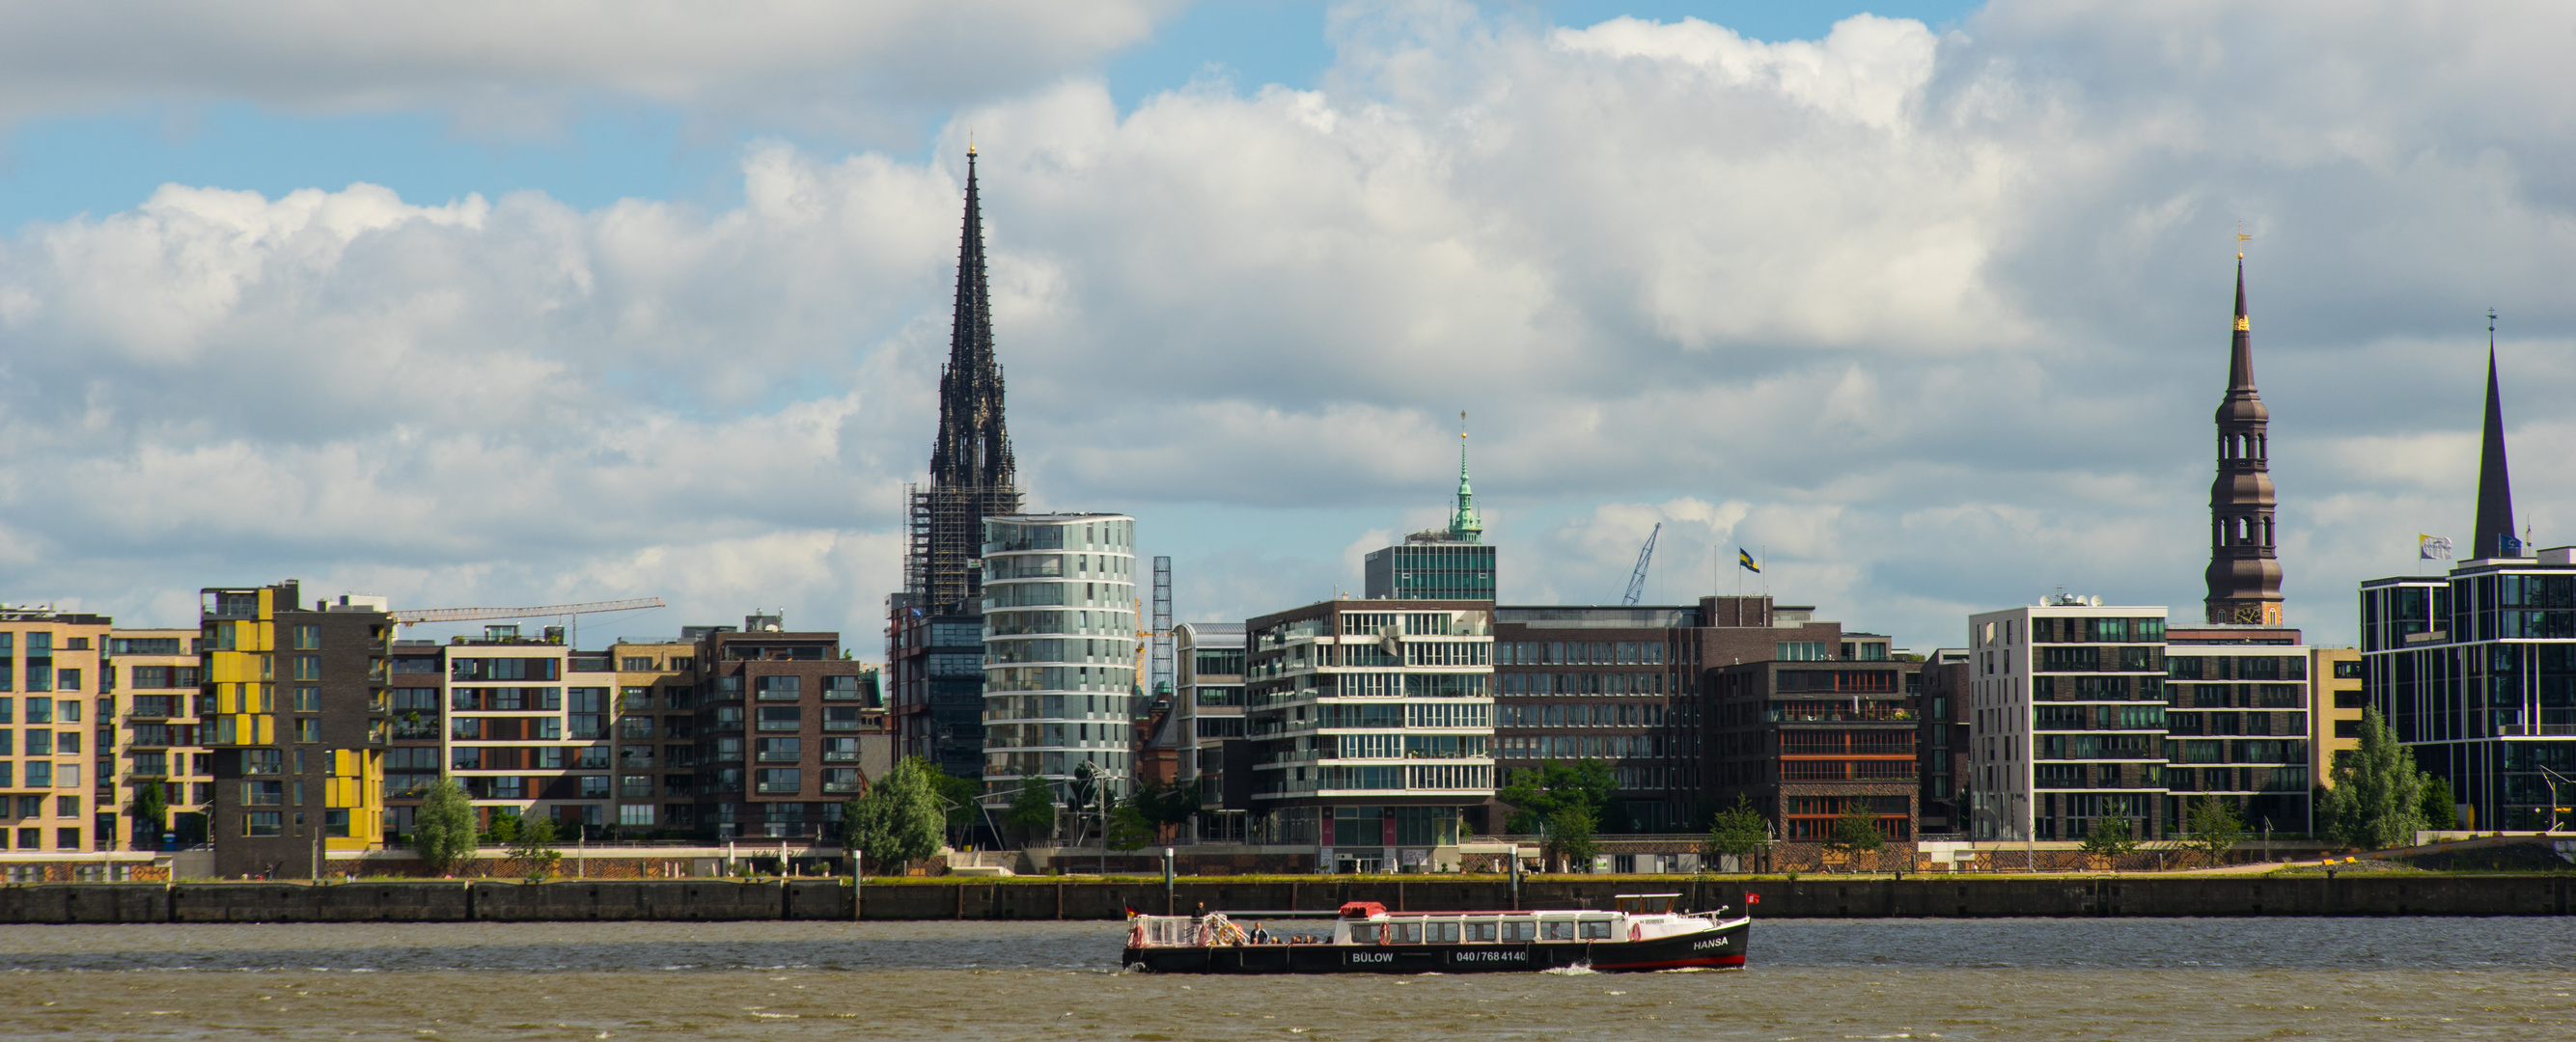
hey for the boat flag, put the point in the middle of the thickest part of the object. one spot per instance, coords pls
(1744, 560)
(1131, 911)
(2432, 547)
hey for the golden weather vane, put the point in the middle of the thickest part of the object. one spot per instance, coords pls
(2241, 240)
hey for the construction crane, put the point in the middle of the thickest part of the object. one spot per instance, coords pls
(542, 611)
(1637, 579)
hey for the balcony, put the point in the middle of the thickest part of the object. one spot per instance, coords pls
(840, 757)
(840, 786)
(780, 725)
(778, 757)
(777, 695)
(829, 725)
(780, 788)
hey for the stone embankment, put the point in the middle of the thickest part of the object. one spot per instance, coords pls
(1036, 899)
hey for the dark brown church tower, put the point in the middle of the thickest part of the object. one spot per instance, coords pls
(972, 473)
(2244, 573)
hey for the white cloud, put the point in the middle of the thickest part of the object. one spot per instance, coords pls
(1939, 321)
(516, 66)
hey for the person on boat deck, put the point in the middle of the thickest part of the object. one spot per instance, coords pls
(1260, 935)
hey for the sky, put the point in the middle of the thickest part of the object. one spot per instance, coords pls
(1924, 304)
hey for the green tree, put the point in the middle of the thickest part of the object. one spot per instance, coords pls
(1129, 828)
(958, 797)
(2212, 827)
(1032, 811)
(443, 829)
(897, 821)
(1569, 836)
(533, 851)
(2112, 835)
(505, 826)
(2441, 806)
(1739, 831)
(151, 809)
(1857, 830)
(1538, 794)
(2377, 799)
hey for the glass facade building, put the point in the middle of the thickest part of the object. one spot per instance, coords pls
(1059, 602)
(2476, 671)
(1422, 569)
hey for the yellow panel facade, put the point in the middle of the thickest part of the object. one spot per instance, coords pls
(2334, 719)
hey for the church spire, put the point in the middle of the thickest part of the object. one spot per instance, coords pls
(972, 474)
(1465, 526)
(2244, 574)
(974, 446)
(2495, 536)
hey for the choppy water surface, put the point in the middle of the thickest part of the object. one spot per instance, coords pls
(2011, 979)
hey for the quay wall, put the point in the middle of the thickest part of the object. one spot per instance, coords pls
(679, 900)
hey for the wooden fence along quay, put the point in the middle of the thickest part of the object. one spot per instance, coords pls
(1022, 899)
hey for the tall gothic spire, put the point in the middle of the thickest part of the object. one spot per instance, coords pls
(2495, 535)
(2244, 572)
(972, 475)
(974, 448)
(1465, 526)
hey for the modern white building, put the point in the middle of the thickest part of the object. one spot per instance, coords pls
(1372, 726)
(1059, 597)
(2067, 720)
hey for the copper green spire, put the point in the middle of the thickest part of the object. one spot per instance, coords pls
(1464, 526)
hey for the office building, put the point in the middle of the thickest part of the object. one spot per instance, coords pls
(1059, 649)
(1941, 743)
(298, 726)
(1810, 740)
(1370, 723)
(778, 719)
(2335, 702)
(2476, 670)
(2066, 720)
(1439, 564)
(1614, 684)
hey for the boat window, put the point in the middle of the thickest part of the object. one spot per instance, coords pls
(1443, 933)
(1598, 929)
(1481, 931)
(1558, 931)
(1405, 933)
(1521, 930)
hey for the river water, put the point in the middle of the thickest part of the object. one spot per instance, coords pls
(1811, 981)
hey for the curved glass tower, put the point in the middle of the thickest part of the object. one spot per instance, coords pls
(1060, 647)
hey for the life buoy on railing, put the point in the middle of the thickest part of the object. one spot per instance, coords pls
(1136, 934)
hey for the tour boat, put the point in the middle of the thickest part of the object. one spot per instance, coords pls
(1643, 933)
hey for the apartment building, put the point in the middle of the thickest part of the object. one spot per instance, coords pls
(781, 715)
(154, 678)
(656, 722)
(2237, 723)
(2067, 703)
(1059, 654)
(298, 726)
(57, 718)
(1372, 727)
(1209, 727)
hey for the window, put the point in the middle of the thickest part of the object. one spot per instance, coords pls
(781, 780)
(68, 743)
(780, 718)
(308, 700)
(785, 687)
(1798, 651)
(263, 793)
(635, 814)
(263, 761)
(40, 743)
(40, 710)
(1557, 931)
(594, 786)
(636, 664)
(776, 750)
(1522, 930)
(67, 806)
(308, 638)
(308, 730)
(264, 823)
(2348, 670)
(1596, 930)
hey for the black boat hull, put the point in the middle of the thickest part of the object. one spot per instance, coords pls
(1722, 948)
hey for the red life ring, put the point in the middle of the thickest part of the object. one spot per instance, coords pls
(1636, 931)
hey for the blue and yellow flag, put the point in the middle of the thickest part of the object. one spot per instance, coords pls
(1744, 560)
